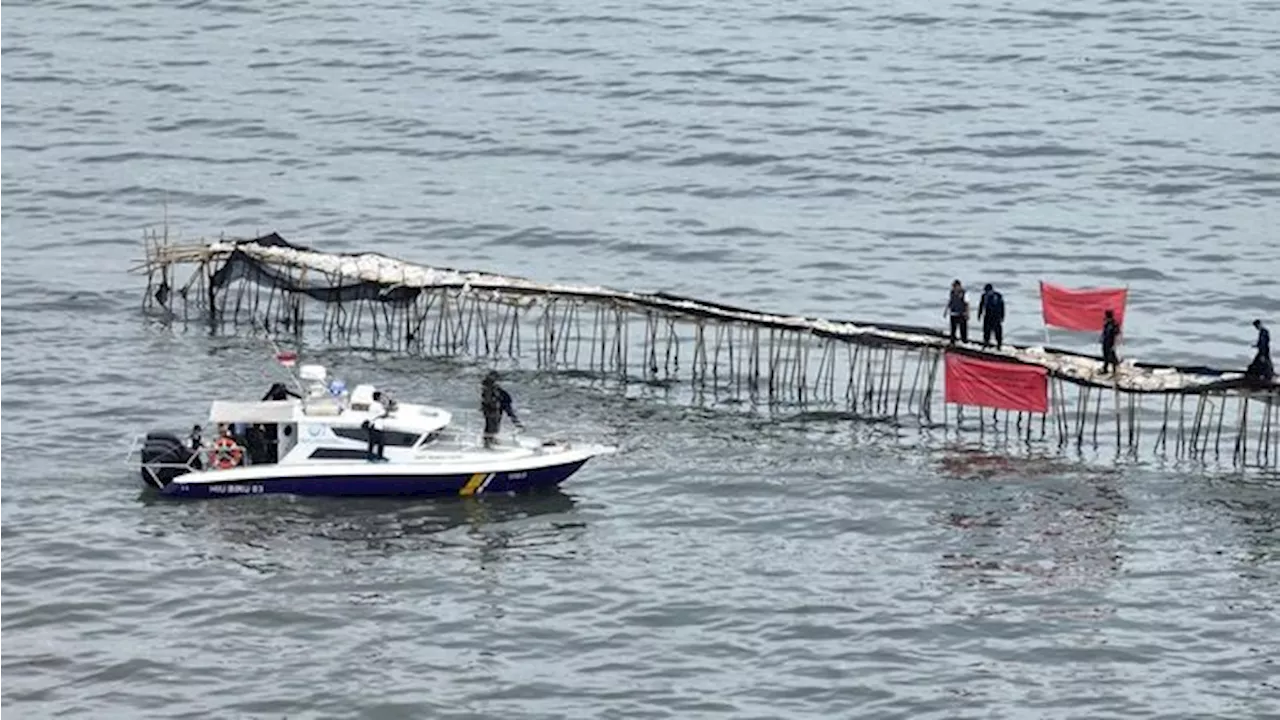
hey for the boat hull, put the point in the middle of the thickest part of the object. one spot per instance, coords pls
(361, 480)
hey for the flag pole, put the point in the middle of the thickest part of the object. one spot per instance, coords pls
(1125, 312)
(1043, 321)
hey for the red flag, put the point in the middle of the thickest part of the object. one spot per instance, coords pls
(1081, 309)
(997, 384)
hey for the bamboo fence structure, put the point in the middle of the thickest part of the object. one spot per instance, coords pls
(872, 372)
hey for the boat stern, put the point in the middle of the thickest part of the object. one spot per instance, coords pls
(162, 457)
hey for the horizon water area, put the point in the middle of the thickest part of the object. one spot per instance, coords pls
(842, 160)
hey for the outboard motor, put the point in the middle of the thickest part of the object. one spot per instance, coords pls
(165, 457)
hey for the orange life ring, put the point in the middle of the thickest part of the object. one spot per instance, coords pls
(226, 454)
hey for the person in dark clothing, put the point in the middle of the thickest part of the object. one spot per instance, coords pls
(255, 440)
(279, 391)
(1110, 333)
(958, 310)
(991, 313)
(494, 401)
(377, 444)
(1261, 367)
(197, 446)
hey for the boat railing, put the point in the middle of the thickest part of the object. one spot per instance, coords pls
(466, 431)
(201, 459)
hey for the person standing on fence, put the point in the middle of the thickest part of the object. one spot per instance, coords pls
(991, 313)
(1261, 367)
(958, 311)
(1110, 333)
(494, 401)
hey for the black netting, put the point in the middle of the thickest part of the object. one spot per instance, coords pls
(241, 266)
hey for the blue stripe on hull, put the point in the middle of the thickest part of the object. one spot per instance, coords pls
(381, 485)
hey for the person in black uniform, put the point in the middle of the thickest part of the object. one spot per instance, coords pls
(958, 310)
(255, 442)
(992, 306)
(279, 391)
(1261, 366)
(494, 401)
(1110, 333)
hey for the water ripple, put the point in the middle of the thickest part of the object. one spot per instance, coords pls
(843, 160)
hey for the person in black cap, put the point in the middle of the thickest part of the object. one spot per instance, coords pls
(1261, 366)
(992, 307)
(1110, 333)
(494, 401)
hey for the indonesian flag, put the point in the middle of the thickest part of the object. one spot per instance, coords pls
(996, 384)
(1081, 309)
(287, 358)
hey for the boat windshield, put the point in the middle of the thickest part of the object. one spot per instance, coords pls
(391, 438)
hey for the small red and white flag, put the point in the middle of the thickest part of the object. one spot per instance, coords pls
(287, 358)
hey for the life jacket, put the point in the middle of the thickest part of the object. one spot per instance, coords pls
(956, 304)
(494, 400)
(490, 402)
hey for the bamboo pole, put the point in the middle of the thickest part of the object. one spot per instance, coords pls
(1235, 455)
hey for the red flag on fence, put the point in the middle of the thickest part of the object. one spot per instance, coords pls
(1080, 309)
(996, 384)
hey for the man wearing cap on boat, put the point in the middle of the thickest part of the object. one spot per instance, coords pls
(494, 401)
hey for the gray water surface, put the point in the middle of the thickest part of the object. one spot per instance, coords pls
(838, 160)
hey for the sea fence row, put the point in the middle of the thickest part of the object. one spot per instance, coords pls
(704, 352)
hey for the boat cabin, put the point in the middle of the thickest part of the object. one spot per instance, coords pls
(325, 422)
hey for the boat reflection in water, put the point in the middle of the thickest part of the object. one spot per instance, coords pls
(277, 529)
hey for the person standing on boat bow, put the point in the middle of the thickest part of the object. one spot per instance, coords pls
(383, 406)
(494, 401)
(958, 310)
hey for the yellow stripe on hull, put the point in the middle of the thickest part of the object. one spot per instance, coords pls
(473, 484)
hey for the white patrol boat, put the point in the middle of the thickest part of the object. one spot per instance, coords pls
(318, 442)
